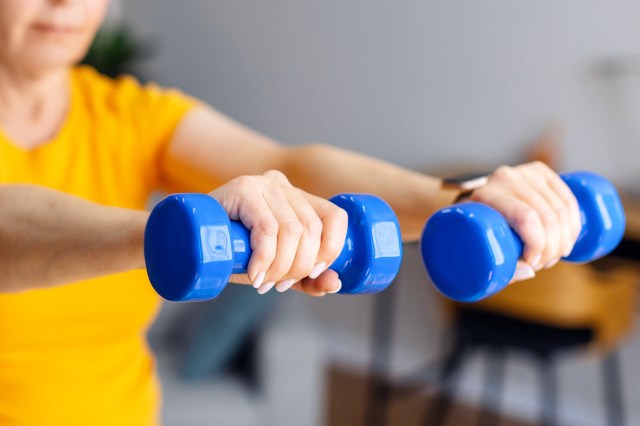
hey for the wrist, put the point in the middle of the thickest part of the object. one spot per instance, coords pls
(446, 196)
(138, 225)
(128, 239)
(458, 189)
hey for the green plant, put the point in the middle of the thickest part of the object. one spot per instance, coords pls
(114, 50)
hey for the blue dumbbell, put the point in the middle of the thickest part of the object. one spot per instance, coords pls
(470, 251)
(191, 247)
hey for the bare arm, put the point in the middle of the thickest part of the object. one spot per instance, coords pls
(330, 170)
(209, 149)
(49, 238)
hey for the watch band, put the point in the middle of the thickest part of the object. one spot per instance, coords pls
(467, 182)
(446, 196)
(453, 189)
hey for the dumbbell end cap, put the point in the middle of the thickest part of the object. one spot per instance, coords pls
(374, 235)
(179, 261)
(469, 251)
(602, 215)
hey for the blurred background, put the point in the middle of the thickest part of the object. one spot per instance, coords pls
(439, 87)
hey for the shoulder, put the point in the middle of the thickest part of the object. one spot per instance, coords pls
(93, 85)
(122, 95)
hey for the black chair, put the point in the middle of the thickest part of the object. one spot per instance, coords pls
(566, 308)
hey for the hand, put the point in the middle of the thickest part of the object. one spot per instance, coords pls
(540, 207)
(295, 236)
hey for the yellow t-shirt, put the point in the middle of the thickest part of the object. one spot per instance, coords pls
(77, 354)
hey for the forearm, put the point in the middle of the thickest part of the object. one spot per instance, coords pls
(49, 238)
(209, 149)
(325, 170)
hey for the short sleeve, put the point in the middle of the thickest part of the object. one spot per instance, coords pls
(119, 131)
(156, 115)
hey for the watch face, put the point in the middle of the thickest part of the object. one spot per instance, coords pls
(467, 181)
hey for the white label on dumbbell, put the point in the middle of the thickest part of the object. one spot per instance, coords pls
(385, 239)
(215, 243)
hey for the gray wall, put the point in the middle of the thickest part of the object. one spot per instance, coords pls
(419, 83)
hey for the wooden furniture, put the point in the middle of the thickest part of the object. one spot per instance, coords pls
(587, 307)
(569, 307)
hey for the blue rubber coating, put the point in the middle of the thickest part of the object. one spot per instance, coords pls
(372, 252)
(470, 251)
(192, 248)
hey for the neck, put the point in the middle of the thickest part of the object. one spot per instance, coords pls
(32, 106)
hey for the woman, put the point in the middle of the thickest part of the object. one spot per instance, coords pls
(79, 156)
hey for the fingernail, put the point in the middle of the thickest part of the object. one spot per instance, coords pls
(550, 264)
(337, 289)
(523, 272)
(284, 285)
(266, 287)
(258, 281)
(568, 252)
(535, 264)
(317, 270)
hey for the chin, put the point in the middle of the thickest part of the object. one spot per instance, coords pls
(54, 59)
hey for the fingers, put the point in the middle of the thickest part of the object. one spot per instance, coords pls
(521, 216)
(524, 271)
(294, 235)
(327, 283)
(560, 213)
(324, 228)
(242, 199)
(570, 202)
(292, 241)
(335, 222)
(541, 209)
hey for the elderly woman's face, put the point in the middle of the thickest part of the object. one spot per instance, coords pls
(38, 35)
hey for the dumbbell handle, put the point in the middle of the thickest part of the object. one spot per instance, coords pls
(601, 214)
(471, 252)
(192, 248)
(241, 248)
